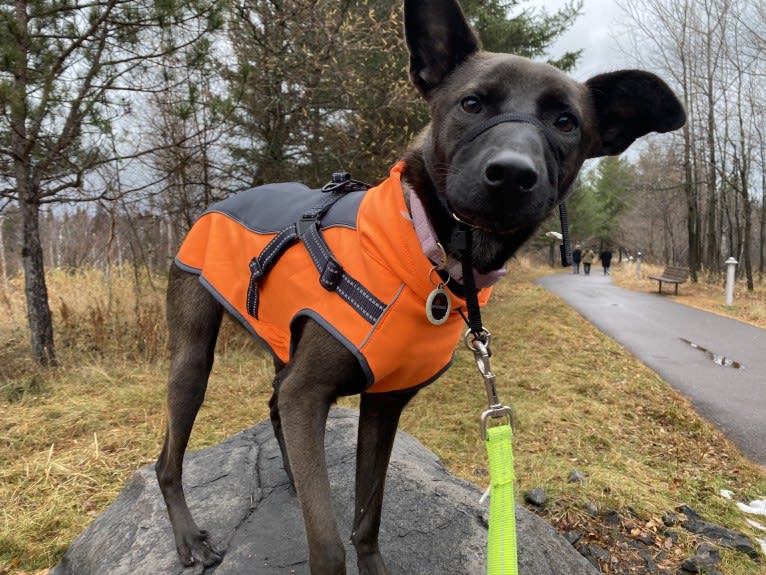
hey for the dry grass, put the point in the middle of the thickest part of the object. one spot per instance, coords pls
(69, 438)
(708, 293)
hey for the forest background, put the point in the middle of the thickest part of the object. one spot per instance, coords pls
(120, 121)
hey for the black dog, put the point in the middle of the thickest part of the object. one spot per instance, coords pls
(505, 144)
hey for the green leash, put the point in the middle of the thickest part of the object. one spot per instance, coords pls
(502, 556)
(501, 553)
(501, 549)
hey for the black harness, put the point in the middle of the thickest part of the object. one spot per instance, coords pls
(332, 276)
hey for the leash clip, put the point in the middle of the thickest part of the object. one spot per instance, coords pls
(478, 343)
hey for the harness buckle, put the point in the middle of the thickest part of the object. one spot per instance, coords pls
(342, 183)
(305, 223)
(255, 268)
(331, 274)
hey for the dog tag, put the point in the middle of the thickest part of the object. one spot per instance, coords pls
(438, 305)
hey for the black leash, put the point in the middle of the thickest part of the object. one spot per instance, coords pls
(565, 247)
(462, 242)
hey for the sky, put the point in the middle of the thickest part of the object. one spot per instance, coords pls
(592, 32)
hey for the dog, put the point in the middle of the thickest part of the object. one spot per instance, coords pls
(506, 140)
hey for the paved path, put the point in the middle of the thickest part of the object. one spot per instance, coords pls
(695, 351)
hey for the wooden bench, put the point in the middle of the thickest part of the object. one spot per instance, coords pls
(672, 275)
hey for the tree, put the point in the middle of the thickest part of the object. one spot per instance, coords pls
(714, 51)
(65, 68)
(321, 86)
(603, 195)
(528, 33)
(665, 29)
(3, 261)
(186, 123)
(655, 222)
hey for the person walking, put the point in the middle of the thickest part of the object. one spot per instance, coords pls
(587, 260)
(576, 258)
(606, 260)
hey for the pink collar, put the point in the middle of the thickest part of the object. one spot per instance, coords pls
(434, 251)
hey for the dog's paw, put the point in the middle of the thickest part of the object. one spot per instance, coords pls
(371, 565)
(197, 549)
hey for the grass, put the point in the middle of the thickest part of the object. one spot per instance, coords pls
(70, 437)
(708, 294)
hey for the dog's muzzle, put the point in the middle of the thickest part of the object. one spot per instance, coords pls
(520, 165)
(510, 165)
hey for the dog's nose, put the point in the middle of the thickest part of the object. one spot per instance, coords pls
(511, 172)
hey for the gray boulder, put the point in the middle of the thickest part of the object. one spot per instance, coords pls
(237, 490)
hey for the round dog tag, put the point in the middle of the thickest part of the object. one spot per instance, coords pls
(438, 305)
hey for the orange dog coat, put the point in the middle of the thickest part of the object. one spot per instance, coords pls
(371, 235)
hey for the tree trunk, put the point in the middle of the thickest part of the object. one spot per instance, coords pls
(762, 226)
(762, 223)
(3, 262)
(692, 206)
(38, 311)
(747, 246)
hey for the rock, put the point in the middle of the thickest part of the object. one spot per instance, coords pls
(723, 536)
(573, 536)
(576, 476)
(705, 559)
(671, 538)
(595, 554)
(238, 491)
(536, 496)
(651, 565)
(590, 508)
(669, 519)
(611, 518)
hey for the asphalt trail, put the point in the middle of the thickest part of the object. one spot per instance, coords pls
(717, 363)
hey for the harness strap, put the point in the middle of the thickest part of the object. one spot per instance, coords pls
(261, 264)
(332, 276)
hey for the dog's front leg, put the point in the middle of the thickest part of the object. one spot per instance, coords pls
(378, 420)
(321, 369)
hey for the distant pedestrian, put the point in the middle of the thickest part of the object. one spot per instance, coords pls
(576, 258)
(606, 260)
(587, 260)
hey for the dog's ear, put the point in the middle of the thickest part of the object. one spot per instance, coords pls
(630, 104)
(439, 40)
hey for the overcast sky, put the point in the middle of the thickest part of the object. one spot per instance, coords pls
(592, 32)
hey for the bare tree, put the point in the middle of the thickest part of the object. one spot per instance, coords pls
(664, 29)
(714, 50)
(64, 69)
(3, 261)
(655, 223)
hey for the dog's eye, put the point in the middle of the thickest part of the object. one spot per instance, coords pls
(565, 123)
(471, 104)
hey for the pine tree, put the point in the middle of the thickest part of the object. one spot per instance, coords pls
(322, 85)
